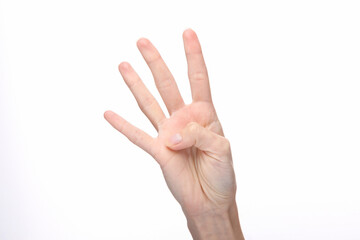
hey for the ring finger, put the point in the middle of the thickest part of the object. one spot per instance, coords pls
(146, 101)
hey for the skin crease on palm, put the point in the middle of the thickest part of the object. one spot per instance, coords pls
(198, 170)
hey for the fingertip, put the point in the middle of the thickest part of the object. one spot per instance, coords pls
(108, 114)
(124, 66)
(191, 41)
(189, 33)
(174, 141)
(142, 42)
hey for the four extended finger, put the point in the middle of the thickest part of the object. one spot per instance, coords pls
(197, 72)
(146, 101)
(164, 80)
(134, 134)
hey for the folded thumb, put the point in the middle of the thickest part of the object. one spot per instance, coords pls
(196, 135)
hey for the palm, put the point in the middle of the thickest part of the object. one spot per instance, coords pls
(189, 183)
(196, 178)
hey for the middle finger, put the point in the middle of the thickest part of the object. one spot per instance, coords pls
(164, 80)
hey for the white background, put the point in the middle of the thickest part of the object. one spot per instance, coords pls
(285, 78)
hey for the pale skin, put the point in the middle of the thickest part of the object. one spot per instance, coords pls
(190, 148)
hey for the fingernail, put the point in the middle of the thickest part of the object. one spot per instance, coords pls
(175, 139)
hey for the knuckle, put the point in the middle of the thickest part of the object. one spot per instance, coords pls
(132, 84)
(135, 137)
(156, 57)
(146, 103)
(225, 145)
(165, 83)
(192, 127)
(198, 76)
(121, 126)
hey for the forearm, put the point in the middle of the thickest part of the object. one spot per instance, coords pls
(216, 225)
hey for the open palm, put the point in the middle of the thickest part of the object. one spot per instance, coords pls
(190, 148)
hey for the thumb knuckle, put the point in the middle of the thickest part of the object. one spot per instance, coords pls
(193, 127)
(225, 145)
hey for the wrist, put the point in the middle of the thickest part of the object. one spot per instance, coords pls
(217, 224)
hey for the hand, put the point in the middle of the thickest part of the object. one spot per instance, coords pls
(190, 148)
